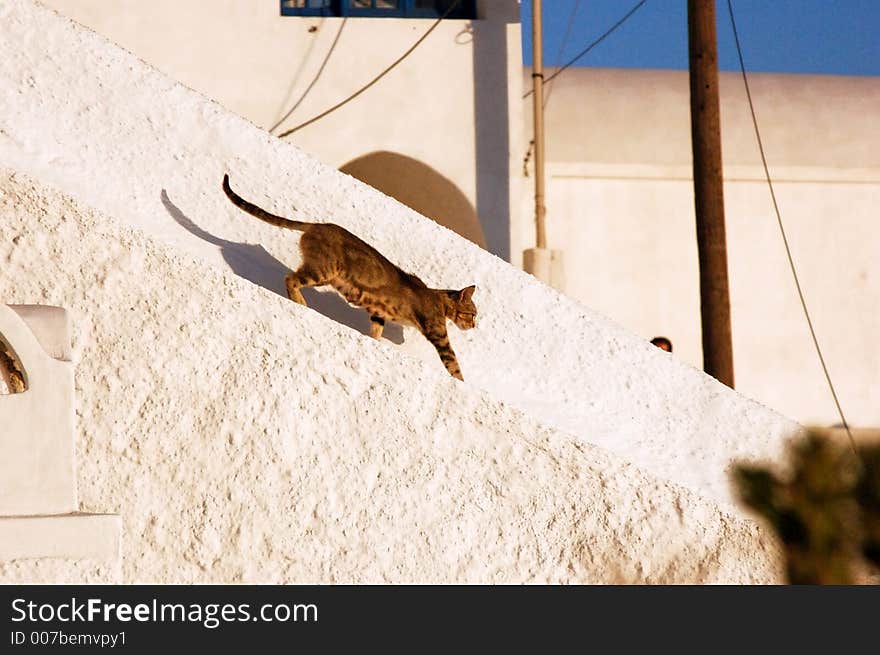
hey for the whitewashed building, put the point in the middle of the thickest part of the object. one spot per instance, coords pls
(446, 132)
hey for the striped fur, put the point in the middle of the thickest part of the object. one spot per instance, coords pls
(331, 255)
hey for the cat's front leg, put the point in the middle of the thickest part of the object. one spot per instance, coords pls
(439, 337)
(305, 276)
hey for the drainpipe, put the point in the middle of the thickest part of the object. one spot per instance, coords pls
(544, 264)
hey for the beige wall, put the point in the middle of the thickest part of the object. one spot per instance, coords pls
(620, 204)
(448, 105)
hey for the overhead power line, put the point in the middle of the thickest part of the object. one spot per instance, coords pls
(571, 17)
(314, 79)
(393, 65)
(592, 45)
(794, 274)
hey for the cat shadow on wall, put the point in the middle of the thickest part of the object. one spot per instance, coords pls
(256, 265)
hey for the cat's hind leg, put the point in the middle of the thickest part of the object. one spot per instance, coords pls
(303, 277)
(377, 324)
(293, 289)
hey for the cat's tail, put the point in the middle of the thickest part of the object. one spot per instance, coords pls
(262, 214)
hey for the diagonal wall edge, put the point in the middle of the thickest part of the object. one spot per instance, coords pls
(99, 124)
(243, 438)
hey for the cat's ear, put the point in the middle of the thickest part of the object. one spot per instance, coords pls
(465, 294)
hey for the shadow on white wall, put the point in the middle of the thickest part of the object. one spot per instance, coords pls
(419, 187)
(256, 265)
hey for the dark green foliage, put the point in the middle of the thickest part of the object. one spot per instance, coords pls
(826, 511)
(868, 496)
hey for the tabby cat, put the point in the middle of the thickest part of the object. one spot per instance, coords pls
(333, 255)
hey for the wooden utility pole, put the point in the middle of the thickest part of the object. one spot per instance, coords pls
(538, 104)
(709, 191)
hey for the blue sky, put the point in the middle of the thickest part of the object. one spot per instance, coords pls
(840, 37)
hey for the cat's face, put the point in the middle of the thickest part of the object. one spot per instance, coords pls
(465, 316)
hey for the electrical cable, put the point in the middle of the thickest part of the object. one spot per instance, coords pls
(314, 80)
(592, 45)
(571, 17)
(393, 65)
(782, 231)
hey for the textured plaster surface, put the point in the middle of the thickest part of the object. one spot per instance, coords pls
(94, 121)
(244, 438)
(61, 571)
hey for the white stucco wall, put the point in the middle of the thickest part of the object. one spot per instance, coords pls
(152, 153)
(244, 438)
(449, 105)
(620, 204)
(238, 432)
